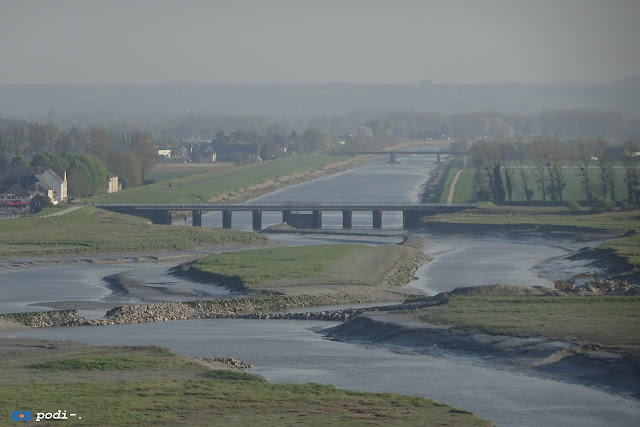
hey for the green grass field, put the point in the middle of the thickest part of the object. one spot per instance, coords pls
(345, 264)
(170, 171)
(194, 186)
(305, 262)
(91, 230)
(609, 321)
(123, 386)
(574, 190)
(464, 187)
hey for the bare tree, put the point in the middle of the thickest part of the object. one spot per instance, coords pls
(539, 149)
(78, 183)
(127, 166)
(584, 152)
(523, 153)
(491, 157)
(481, 157)
(557, 153)
(146, 151)
(63, 143)
(604, 164)
(98, 142)
(630, 159)
(4, 148)
(17, 139)
(42, 136)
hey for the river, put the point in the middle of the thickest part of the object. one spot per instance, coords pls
(293, 351)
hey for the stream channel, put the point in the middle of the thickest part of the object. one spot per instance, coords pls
(294, 351)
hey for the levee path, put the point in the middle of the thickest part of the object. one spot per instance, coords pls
(452, 188)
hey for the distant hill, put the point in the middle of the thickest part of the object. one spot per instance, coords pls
(279, 100)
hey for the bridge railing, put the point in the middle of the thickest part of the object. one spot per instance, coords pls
(283, 205)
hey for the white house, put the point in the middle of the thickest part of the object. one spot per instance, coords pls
(164, 153)
(50, 180)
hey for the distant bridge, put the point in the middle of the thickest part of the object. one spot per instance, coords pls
(393, 154)
(296, 214)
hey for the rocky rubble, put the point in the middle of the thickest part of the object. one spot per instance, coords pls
(234, 363)
(280, 228)
(271, 307)
(163, 312)
(604, 287)
(44, 319)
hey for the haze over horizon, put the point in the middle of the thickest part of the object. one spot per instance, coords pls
(353, 41)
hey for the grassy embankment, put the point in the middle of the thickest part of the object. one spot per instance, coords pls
(121, 386)
(611, 322)
(224, 183)
(89, 230)
(344, 268)
(94, 231)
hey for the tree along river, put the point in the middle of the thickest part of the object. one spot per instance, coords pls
(293, 351)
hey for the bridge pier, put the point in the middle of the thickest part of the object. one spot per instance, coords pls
(257, 220)
(285, 216)
(226, 219)
(317, 219)
(392, 158)
(438, 158)
(303, 220)
(346, 219)
(411, 219)
(162, 217)
(377, 219)
(196, 218)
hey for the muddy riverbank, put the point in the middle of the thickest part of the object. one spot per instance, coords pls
(586, 365)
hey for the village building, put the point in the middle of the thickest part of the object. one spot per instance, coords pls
(114, 185)
(22, 184)
(164, 154)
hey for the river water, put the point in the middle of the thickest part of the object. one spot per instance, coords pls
(293, 351)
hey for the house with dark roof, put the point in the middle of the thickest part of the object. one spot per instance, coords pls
(24, 183)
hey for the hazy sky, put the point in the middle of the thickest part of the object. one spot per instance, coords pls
(367, 41)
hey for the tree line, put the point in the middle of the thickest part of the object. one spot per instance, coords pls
(84, 154)
(537, 170)
(563, 124)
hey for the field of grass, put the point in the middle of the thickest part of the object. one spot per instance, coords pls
(610, 321)
(464, 186)
(168, 171)
(119, 386)
(200, 187)
(346, 264)
(574, 190)
(91, 230)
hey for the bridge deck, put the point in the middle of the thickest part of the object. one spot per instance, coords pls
(400, 152)
(289, 206)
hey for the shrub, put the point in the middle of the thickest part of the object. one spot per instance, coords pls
(573, 206)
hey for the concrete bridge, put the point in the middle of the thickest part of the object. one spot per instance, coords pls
(296, 214)
(393, 154)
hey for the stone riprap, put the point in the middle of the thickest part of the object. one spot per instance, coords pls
(234, 363)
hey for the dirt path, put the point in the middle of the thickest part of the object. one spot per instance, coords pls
(452, 188)
(67, 210)
(62, 212)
